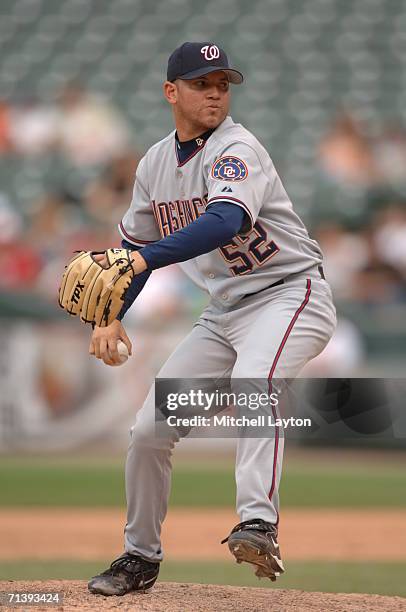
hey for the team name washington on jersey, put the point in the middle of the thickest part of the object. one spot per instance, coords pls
(172, 216)
(231, 166)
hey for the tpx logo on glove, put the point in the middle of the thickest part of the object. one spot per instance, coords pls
(210, 52)
(77, 292)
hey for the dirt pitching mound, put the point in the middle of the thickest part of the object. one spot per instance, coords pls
(174, 597)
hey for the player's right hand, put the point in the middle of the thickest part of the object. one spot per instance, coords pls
(103, 343)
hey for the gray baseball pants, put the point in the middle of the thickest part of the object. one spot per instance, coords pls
(270, 335)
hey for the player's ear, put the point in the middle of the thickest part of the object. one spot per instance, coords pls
(170, 92)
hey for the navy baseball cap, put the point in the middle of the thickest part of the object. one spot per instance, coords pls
(194, 59)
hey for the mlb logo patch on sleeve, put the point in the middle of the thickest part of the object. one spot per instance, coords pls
(229, 169)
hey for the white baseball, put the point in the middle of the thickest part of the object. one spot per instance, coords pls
(123, 352)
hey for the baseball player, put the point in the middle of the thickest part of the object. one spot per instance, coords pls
(209, 198)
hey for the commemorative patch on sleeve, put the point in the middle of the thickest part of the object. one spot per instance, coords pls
(229, 169)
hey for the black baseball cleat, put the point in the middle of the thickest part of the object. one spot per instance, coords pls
(255, 542)
(126, 574)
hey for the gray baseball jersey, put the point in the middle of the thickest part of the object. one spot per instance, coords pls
(232, 166)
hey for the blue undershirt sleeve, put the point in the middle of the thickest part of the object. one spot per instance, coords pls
(136, 286)
(220, 223)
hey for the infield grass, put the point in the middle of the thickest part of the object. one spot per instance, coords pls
(91, 483)
(365, 577)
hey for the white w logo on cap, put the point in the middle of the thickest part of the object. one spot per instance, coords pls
(210, 52)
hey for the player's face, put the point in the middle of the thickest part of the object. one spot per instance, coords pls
(199, 104)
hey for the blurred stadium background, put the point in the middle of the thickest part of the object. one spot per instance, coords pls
(80, 101)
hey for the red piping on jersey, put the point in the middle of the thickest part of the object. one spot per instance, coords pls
(244, 206)
(271, 372)
(190, 156)
(131, 239)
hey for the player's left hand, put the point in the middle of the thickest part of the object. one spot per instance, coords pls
(103, 343)
(94, 284)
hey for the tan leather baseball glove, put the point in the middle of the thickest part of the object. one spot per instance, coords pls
(96, 292)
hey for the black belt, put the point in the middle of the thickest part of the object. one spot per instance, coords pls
(282, 281)
(321, 272)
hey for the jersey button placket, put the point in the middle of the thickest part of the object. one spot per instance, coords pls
(179, 176)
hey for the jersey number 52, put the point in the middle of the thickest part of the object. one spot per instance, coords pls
(258, 250)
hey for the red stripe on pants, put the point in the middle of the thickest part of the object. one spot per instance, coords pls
(271, 372)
